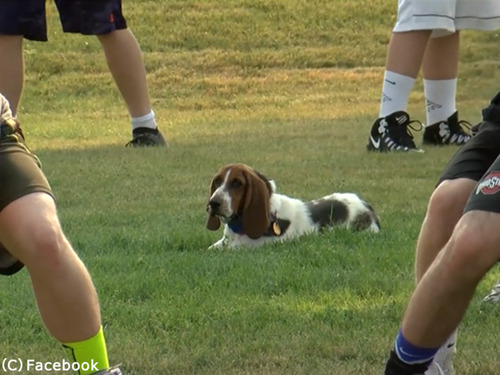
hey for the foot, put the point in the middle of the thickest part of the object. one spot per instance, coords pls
(395, 366)
(449, 132)
(146, 137)
(435, 369)
(391, 133)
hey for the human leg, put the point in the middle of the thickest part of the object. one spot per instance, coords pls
(17, 20)
(447, 202)
(443, 212)
(442, 296)
(31, 233)
(125, 63)
(63, 289)
(405, 53)
(457, 181)
(440, 71)
(105, 20)
(12, 69)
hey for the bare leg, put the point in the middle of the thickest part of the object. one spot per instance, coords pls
(64, 292)
(406, 52)
(125, 63)
(441, 58)
(444, 211)
(444, 293)
(11, 69)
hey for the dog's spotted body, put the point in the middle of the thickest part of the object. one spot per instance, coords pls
(253, 213)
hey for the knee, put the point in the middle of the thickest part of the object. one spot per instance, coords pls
(448, 201)
(466, 248)
(48, 248)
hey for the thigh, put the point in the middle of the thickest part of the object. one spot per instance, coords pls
(26, 18)
(91, 17)
(426, 15)
(21, 177)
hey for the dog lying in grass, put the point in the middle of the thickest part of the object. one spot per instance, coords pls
(253, 213)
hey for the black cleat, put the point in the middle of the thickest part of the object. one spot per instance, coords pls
(449, 132)
(146, 137)
(391, 133)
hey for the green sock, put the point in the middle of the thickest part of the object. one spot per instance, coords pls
(91, 354)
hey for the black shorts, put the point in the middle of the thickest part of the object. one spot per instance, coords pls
(474, 158)
(486, 194)
(88, 17)
(479, 160)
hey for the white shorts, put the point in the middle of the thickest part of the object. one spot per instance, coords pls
(445, 17)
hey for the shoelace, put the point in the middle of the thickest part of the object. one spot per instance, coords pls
(461, 127)
(403, 134)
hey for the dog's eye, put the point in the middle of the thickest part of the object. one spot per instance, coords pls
(217, 182)
(235, 184)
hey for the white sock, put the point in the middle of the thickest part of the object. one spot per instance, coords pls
(445, 354)
(440, 99)
(395, 93)
(146, 121)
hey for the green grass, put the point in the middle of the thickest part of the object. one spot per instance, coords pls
(289, 87)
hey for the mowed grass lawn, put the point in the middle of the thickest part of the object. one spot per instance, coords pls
(289, 87)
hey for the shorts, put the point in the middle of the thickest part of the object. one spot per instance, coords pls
(445, 17)
(474, 158)
(486, 194)
(20, 174)
(88, 17)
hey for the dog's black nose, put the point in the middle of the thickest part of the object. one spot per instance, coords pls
(214, 205)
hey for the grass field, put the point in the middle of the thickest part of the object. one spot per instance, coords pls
(289, 87)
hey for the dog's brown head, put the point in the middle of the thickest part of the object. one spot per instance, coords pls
(238, 191)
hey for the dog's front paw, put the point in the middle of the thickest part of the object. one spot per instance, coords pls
(219, 244)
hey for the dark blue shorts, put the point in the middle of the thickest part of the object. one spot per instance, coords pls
(88, 17)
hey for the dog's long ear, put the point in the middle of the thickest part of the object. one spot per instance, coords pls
(213, 222)
(255, 215)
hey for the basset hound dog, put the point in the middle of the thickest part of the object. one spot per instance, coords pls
(253, 213)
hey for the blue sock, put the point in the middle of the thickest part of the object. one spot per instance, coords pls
(411, 354)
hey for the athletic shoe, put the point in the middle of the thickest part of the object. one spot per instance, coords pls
(494, 295)
(391, 133)
(395, 366)
(435, 369)
(110, 371)
(449, 132)
(146, 137)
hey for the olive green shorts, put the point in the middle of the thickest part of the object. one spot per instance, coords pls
(20, 174)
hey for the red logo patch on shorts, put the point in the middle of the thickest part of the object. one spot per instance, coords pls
(112, 18)
(490, 184)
